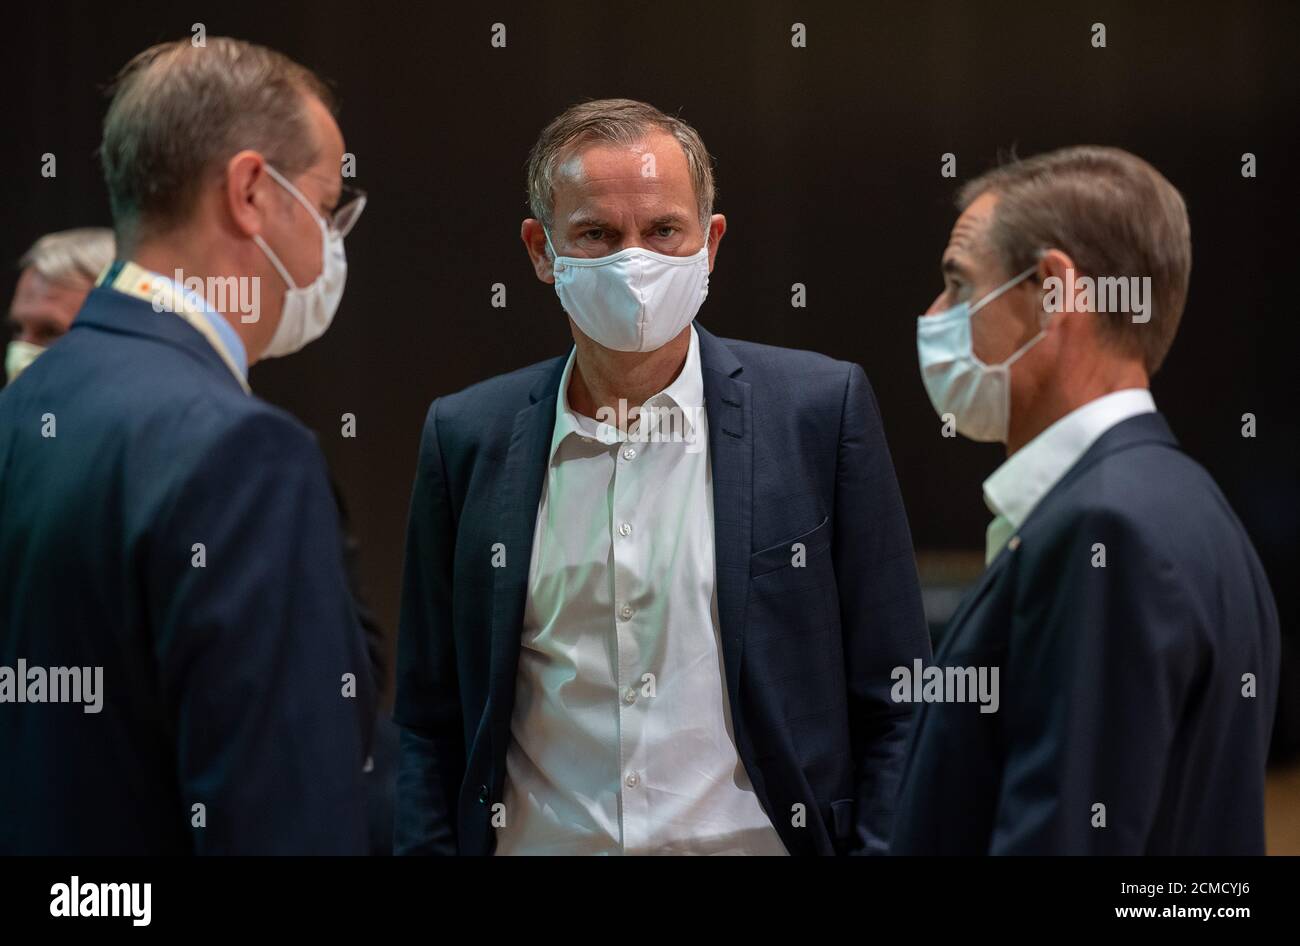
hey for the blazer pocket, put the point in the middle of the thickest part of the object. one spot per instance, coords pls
(842, 819)
(781, 555)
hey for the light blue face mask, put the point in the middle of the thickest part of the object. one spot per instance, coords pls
(978, 396)
(18, 356)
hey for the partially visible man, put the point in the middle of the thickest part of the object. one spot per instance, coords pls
(1124, 608)
(54, 278)
(655, 587)
(169, 545)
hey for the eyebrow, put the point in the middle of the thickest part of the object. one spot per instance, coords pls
(666, 219)
(585, 223)
(37, 323)
(952, 266)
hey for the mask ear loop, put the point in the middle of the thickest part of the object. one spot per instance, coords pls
(999, 291)
(324, 228)
(275, 261)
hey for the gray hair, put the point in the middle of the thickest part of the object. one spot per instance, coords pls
(71, 257)
(179, 110)
(1113, 213)
(620, 121)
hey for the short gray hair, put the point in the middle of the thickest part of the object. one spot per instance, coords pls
(71, 257)
(179, 110)
(620, 121)
(1113, 213)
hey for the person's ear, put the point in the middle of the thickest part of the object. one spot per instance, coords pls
(244, 197)
(1056, 277)
(714, 233)
(534, 237)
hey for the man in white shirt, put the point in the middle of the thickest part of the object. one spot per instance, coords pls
(654, 589)
(1124, 611)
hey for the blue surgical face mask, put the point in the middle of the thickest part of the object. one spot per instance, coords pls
(978, 396)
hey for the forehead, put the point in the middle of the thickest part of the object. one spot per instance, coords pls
(326, 129)
(33, 287)
(652, 172)
(37, 296)
(968, 241)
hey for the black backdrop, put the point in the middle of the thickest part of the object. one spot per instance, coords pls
(828, 166)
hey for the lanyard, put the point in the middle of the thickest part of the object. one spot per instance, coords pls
(166, 296)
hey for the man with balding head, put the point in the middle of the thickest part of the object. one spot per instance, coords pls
(166, 536)
(55, 276)
(1124, 612)
(654, 587)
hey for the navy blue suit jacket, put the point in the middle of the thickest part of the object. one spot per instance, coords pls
(223, 685)
(1121, 686)
(798, 455)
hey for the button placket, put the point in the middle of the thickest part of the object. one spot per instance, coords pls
(629, 586)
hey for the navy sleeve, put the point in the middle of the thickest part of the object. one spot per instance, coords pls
(431, 766)
(261, 662)
(880, 609)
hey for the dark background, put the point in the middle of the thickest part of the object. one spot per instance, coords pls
(827, 162)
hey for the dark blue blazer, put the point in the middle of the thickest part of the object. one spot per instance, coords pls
(1121, 686)
(798, 455)
(223, 685)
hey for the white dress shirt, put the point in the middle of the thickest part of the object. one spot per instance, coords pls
(1016, 487)
(621, 734)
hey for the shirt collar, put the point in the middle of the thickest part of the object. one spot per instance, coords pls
(167, 295)
(685, 393)
(1018, 485)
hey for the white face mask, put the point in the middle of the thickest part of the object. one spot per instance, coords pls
(632, 300)
(308, 310)
(977, 395)
(18, 356)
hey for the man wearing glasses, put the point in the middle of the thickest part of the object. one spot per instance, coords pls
(166, 539)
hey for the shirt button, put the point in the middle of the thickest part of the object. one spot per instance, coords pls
(629, 453)
(625, 612)
(625, 529)
(633, 780)
(630, 695)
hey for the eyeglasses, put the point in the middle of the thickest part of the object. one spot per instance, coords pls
(352, 200)
(344, 216)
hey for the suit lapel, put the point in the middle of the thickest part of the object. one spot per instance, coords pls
(731, 457)
(972, 598)
(521, 491)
